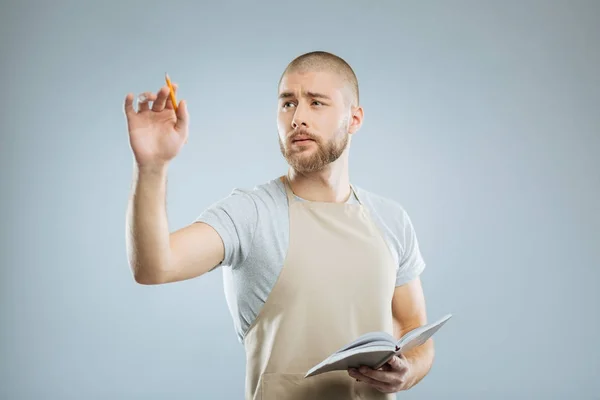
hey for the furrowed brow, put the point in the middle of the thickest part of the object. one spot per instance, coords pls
(287, 95)
(318, 95)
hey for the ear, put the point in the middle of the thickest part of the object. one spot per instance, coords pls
(356, 119)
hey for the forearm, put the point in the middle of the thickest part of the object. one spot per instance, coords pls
(420, 360)
(147, 230)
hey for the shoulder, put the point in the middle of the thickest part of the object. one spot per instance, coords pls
(398, 230)
(244, 207)
(393, 219)
(237, 217)
(387, 208)
(267, 193)
(265, 197)
(261, 194)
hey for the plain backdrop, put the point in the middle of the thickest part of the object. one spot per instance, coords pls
(481, 119)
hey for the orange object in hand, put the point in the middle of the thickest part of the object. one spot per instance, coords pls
(171, 92)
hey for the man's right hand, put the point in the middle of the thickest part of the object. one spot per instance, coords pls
(156, 135)
(156, 131)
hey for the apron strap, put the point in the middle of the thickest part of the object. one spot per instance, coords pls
(288, 189)
(356, 194)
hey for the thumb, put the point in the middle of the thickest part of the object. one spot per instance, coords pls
(396, 361)
(182, 116)
(183, 119)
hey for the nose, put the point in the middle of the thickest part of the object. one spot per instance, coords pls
(300, 118)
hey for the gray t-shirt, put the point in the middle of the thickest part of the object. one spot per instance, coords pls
(254, 227)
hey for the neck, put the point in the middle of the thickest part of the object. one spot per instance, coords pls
(331, 184)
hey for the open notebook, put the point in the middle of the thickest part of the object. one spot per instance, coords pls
(374, 349)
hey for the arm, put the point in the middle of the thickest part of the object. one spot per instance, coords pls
(156, 134)
(404, 371)
(155, 255)
(408, 310)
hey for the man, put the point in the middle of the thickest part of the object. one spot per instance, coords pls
(310, 262)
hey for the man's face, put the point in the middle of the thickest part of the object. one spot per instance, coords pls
(313, 119)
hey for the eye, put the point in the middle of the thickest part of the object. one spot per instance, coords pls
(317, 102)
(287, 104)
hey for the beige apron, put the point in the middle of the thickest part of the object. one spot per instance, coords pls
(336, 284)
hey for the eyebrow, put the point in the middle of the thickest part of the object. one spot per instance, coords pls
(287, 95)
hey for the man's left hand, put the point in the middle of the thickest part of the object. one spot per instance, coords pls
(390, 378)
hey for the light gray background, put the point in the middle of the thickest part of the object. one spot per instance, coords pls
(481, 118)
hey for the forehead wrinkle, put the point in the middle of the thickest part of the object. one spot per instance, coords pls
(349, 93)
(305, 93)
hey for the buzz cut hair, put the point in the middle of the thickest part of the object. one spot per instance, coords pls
(324, 61)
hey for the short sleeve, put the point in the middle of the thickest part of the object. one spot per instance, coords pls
(411, 263)
(235, 219)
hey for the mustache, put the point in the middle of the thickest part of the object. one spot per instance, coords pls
(302, 133)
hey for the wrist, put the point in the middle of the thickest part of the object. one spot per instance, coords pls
(158, 168)
(410, 378)
(418, 364)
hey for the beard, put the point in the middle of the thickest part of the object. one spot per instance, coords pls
(308, 160)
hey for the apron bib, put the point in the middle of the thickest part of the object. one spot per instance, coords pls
(337, 283)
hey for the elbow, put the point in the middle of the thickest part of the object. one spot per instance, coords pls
(145, 275)
(145, 280)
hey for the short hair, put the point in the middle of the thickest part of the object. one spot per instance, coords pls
(325, 61)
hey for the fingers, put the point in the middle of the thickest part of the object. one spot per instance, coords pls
(182, 112)
(182, 118)
(161, 99)
(144, 100)
(128, 106)
(381, 377)
(391, 377)
(379, 385)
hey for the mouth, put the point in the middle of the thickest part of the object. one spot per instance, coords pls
(302, 140)
(302, 143)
